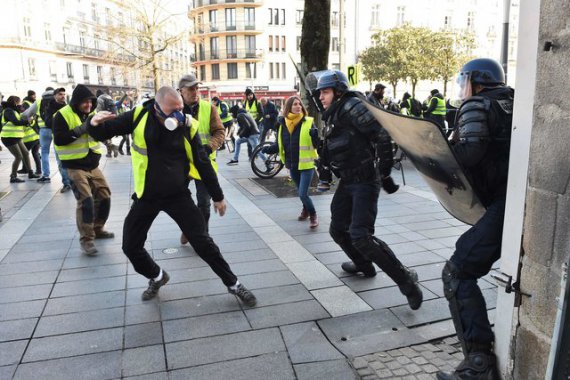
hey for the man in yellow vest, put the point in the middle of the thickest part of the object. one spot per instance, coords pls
(167, 152)
(436, 109)
(80, 155)
(210, 130)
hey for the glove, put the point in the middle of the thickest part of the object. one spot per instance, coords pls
(208, 149)
(388, 185)
(79, 130)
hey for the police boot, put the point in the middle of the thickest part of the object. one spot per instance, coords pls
(366, 269)
(476, 366)
(382, 255)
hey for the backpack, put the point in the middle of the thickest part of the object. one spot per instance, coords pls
(416, 107)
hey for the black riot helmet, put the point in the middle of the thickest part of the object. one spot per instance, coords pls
(333, 79)
(484, 71)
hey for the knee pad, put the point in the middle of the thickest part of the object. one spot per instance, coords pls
(450, 278)
(104, 209)
(87, 210)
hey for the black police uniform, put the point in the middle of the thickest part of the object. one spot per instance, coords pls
(484, 127)
(353, 139)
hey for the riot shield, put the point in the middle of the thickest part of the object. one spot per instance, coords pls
(429, 151)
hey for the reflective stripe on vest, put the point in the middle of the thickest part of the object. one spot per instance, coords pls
(307, 153)
(30, 135)
(80, 147)
(252, 110)
(139, 152)
(204, 113)
(10, 129)
(227, 118)
(440, 108)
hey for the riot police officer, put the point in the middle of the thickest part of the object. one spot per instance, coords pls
(481, 144)
(353, 140)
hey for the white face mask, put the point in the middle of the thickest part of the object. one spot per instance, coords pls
(171, 123)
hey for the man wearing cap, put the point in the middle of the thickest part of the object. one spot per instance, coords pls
(436, 108)
(80, 155)
(377, 95)
(252, 106)
(225, 115)
(211, 132)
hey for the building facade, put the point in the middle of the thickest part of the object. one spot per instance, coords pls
(61, 43)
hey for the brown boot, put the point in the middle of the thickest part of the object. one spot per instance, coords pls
(183, 239)
(304, 215)
(314, 221)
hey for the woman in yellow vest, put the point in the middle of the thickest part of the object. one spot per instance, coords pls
(296, 140)
(12, 135)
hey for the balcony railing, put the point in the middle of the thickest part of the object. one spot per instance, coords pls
(210, 27)
(204, 3)
(85, 51)
(231, 54)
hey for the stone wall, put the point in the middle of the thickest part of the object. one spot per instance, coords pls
(546, 240)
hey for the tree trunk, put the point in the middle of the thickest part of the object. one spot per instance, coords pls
(315, 40)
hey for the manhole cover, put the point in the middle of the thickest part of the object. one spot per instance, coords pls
(170, 251)
(3, 194)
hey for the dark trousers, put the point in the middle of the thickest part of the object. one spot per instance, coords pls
(203, 200)
(126, 140)
(189, 218)
(34, 148)
(475, 252)
(439, 119)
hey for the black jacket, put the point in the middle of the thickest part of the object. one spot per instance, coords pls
(270, 115)
(50, 111)
(168, 165)
(247, 126)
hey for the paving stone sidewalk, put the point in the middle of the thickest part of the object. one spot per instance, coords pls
(63, 313)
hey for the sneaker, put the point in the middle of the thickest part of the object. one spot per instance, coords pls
(108, 154)
(32, 175)
(153, 286)
(65, 189)
(115, 151)
(304, 215)
(183, 239)
(244, 295)
(233, 162)
(323, 186)
(102, 234)
(22, 171)
(88, 248)
(314, 221)
(121, 152)
(367, 270)
(16, 180)
(44, 180)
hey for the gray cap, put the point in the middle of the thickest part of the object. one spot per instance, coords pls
(188, 80)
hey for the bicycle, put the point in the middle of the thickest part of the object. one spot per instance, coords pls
(268, 167)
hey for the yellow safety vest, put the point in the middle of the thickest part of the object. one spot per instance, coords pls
(252, 110)
(139, 152)
(39, 120)
(204, 113)
(307, 153)
(80, 147)
(227, 118)
(10, 129)
(440, 108)
(30, 135)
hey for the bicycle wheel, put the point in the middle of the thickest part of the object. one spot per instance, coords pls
(265, 165)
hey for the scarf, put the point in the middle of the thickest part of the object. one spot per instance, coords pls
(292, 120)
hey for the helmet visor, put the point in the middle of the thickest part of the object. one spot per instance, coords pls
(464, 85)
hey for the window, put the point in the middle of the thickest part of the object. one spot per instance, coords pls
(282, 16)
(203, 72)
(215, 71)
(283, 70)
(82, 39)
(231, 46)
(113, 77)
(32, 67)
(250, 46)
(270, 16)
(298, 43)
(401, 15)
(276, 43)
(100, 74)
(334, 44)
(214, 52)
(96, 39)
(52, 71)
(283, 43)
(250, 70)
(275, 16)
(230, 19)
(375, 16)
(65, 35)
(47, 32)
(232, 71)
(447, 22)
(86, 73)
(270, 70)
(201, 52)
(270, 44)
(299, 16)
(27, 27)
(249, 18)
(94, 12)
(277, 71)
(213, 20)
(69, 67)
(470, 20)
(334, 19)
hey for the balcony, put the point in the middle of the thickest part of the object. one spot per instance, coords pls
(205, 3)
(224, 55)
(220, 27)
(77, 50)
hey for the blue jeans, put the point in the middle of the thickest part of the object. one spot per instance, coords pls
(302, 179)
(252, 141)
(46, 137)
